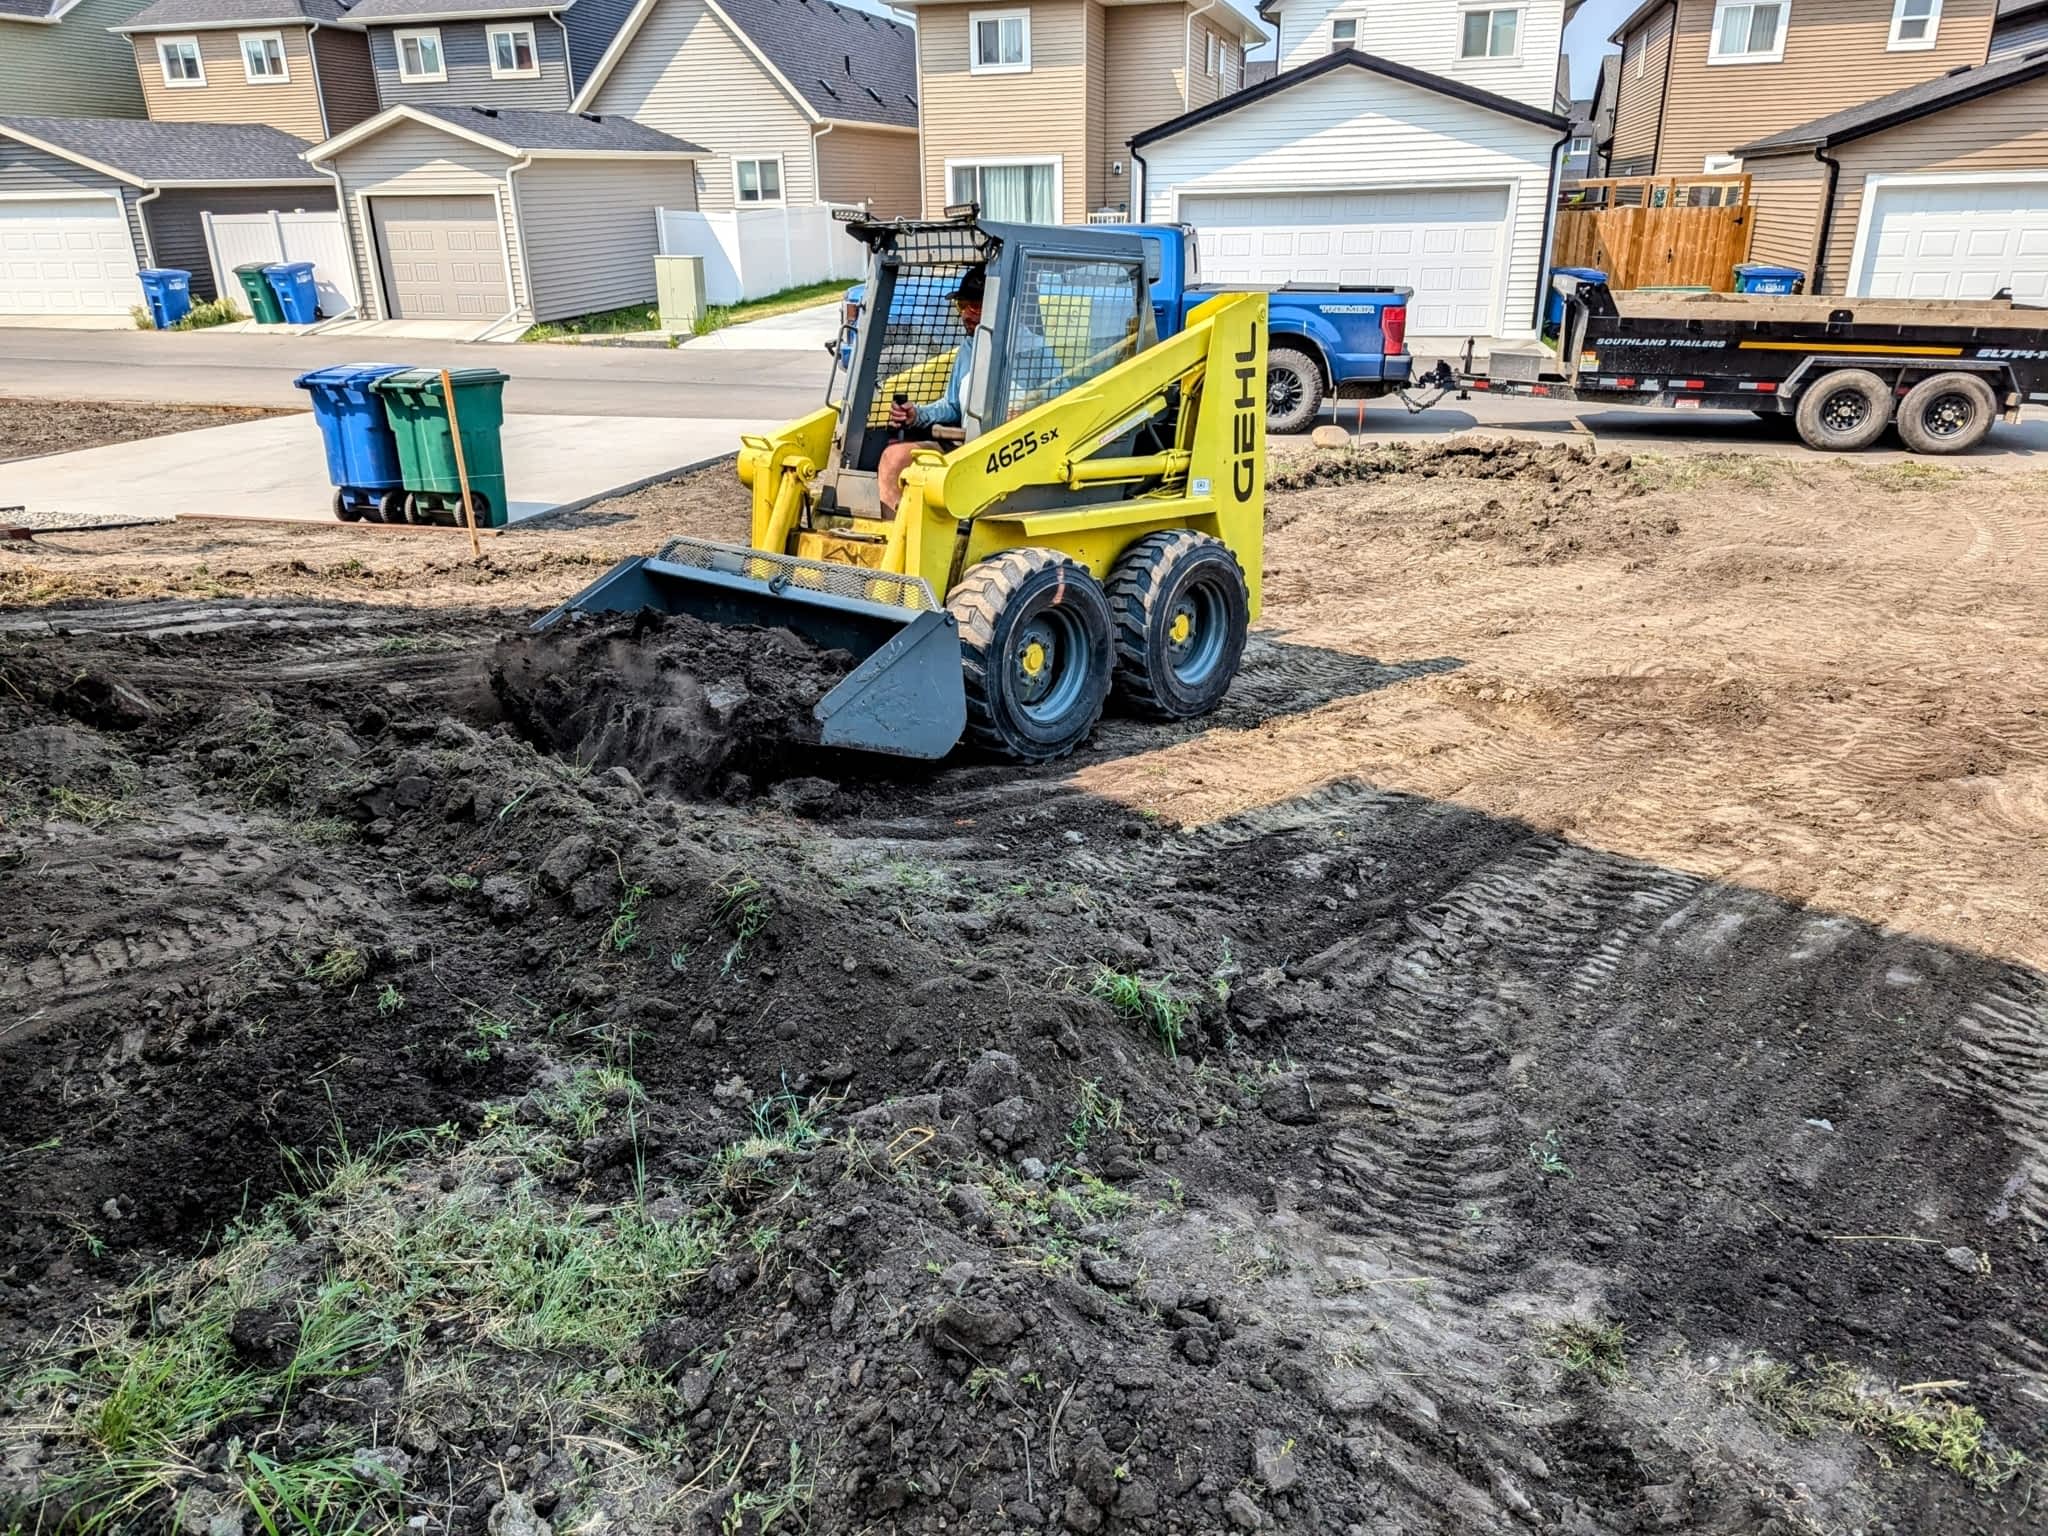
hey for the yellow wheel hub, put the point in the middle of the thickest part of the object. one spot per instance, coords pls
(1183, 626)
(1033, 659)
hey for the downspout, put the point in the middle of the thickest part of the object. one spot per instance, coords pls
(525, 162)
(319, 96)
(817, 169)
(1140, 174)
(142, 223)
(1664, 95)
(1557, 152)
(1827, 215)
(568, 60)
(333, 173)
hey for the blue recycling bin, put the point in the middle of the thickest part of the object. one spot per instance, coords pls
(168, 293)
(1755, 277)
(1553, 314)
(362, 455)
(292, 282)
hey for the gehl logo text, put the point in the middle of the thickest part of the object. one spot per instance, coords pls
(1245, 421)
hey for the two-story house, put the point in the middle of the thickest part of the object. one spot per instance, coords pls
(1028, 109)
(528, 54)
(1414, 145)
(1895, 148)
(296, 65)
(57, 59)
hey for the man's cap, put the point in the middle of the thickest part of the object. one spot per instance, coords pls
(972, 282)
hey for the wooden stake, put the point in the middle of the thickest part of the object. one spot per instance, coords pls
(461, 464)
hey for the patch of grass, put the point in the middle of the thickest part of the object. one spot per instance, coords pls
(625, 925)
(1908, 474)
(1597, 1350)
(1913, 1421)
(325, 831)
(342, 964)
(719, 316)
(389, 999)
(90, 809)
(1699, 471)
(1096, 1111)
(603, 322)
(1548, 1156)
(1151, 1005)
(784, 1507)
(203, 315)
(321, 1496)
(744, 907)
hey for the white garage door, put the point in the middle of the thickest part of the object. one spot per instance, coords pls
(1449, 244)
(66, 256)
(1962, 241)
(443, 257)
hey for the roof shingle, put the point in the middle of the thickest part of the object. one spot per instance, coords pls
(191, 13)
(170, 152)
(399, 10)
(532, 130)
(1951, 89)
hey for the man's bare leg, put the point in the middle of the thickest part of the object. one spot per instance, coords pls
(889, 473)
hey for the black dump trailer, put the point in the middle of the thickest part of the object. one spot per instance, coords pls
(1841, 369)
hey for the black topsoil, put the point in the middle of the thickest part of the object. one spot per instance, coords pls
(1326, 1202)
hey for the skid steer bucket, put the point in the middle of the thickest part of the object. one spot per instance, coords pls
(905, 697)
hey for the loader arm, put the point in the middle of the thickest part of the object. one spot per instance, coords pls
(1212, 479)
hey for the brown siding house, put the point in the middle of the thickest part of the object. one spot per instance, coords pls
(1732, 69)
(1941, 191)
(296, 65)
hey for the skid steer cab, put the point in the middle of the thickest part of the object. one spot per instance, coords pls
(1077, 507)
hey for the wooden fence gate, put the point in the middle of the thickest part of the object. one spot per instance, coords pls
(1659, 242)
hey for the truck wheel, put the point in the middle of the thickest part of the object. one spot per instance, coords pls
(1181, 609)
(1036, 652)
(1845, 411)
(1294, 390)
(1949, 413)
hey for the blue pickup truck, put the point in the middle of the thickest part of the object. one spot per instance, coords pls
(1320, 339)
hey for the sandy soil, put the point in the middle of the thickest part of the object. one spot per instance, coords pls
(1563, 1049)
(33, 427)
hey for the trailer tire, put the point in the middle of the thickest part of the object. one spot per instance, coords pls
(1035, 653)
(1181, 609)
(1844, 411)
(1294, 390)
(1948, 413)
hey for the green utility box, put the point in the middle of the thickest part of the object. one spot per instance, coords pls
(258, 294)
(679, 292)
(426, 448)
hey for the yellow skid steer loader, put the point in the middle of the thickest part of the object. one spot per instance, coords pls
(1094, 522)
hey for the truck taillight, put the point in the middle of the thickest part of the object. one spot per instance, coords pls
(1394, 328)
(852, 320)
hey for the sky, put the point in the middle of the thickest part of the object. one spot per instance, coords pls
(1586, 39)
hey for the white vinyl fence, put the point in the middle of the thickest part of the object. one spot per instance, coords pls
(752, 252)
(235, 239)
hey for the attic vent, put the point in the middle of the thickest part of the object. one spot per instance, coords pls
(488, 111)
(872, 92)
(849, 62)
(1960, 69)
(827, 89)
(2038, 53)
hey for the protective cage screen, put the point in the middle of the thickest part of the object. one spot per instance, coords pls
(922, 334)
(1074, 319)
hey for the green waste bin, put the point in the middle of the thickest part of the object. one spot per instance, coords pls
(258, 294)
(426, 448)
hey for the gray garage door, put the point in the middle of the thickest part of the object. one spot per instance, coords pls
(443, 257)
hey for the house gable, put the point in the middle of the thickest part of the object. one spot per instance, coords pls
(1431, 35)
(73, 66)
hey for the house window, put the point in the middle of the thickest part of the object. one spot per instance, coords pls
(757, 181)
(1009, 191)
(1581, 146)
(419, 55)
(1641, 43)
(512, 52)
(263, 57)
(1752, 33)
(1914, 23)
(1343, 33)
(1491, 34)
(180, 59)
(1000, 42)
(1209, 54)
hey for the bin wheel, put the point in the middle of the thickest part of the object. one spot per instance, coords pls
(1035, 651)
(1181, 610)
(391, 507)
(345, 509)
(1844, 411)
(1294, 390)
(414, 512)
(1948, 413)
(480, 504)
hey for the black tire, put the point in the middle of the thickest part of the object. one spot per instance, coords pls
(1294, 390)
(1181, 610)
(413, 512)
(479, 506)
(1844, 411)
(1948, 413)
(344, 509)
(391, 507)
(1036, 652)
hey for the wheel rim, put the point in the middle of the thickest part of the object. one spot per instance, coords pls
(1197, 633)
(1844, 410)
(1283, 391)
(1048, 665)
(1949, 415)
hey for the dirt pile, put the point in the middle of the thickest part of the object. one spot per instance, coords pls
(680, 703)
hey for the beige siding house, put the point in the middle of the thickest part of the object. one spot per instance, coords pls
(504, 217)
(794, 104)
(1699, 77)
(1029, 109)
(296, 65)
(1941, 191)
